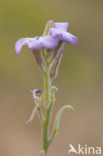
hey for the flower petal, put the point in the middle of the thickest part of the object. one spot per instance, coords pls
(69, 38)
(63, 35)
(35, 44)
(20, 43)
(61, 26)
(49, 42)
(32, 43)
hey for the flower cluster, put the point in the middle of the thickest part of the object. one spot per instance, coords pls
(57, 32)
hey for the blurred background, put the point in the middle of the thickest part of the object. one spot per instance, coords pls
(80, 79)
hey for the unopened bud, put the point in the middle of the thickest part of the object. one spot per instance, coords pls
(47, 27)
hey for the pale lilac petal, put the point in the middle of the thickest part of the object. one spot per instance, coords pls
(63, 35)
(32, 114)
(19, 44)
(55, 33)
(49, 42)
(69, 38)
(61, 26)
(34, 92)
(35, 44)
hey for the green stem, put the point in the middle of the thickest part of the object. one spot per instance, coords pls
(40, 114)
(47, 86)
(45, 131)
(48, 105)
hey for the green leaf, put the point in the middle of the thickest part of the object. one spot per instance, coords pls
(58, 117)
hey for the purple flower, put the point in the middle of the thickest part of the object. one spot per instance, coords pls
(37, 43)
(57, 32)
(60, 32)
(34, 92)
(62, 26)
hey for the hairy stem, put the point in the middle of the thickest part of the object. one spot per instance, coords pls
(47, 86)
(45, 131)
(48, 106)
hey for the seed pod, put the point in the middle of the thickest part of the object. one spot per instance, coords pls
(58, 116)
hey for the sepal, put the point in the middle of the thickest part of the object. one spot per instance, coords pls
(39, 59)
(55, 65)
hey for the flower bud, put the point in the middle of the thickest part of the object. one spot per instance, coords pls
(47, 27)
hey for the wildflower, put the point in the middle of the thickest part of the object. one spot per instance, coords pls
(36, 43)
(37, 102)
(34, 94)
(59, 31)
(48, 52)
